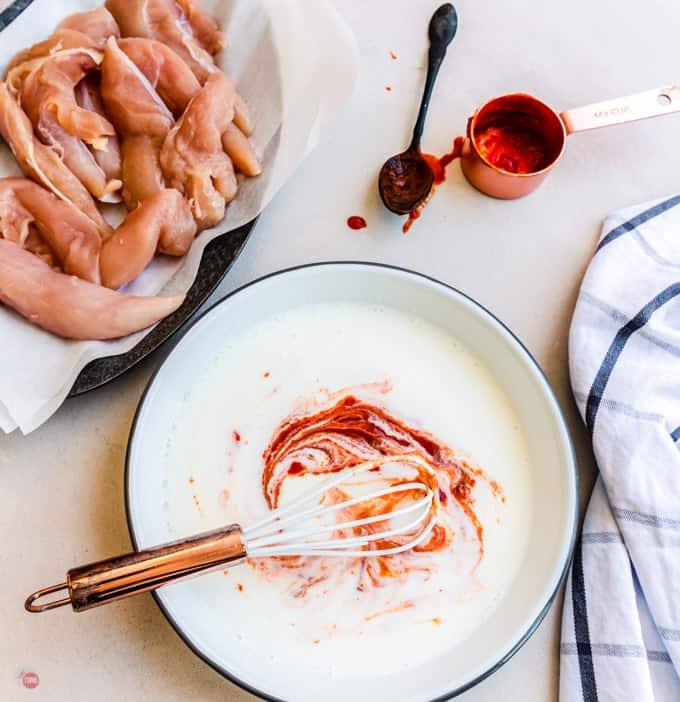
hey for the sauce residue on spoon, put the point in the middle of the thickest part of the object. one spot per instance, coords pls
(438, 166)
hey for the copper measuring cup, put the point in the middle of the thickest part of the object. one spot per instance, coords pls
(548, 131)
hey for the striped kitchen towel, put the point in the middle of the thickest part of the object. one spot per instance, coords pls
(621, 617)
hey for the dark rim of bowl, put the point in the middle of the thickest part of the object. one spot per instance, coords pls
(529, 632)
(12, 11)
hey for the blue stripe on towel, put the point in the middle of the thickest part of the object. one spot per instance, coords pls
(639, 219)
(618, 651)
(650, 520)
(669, 634)
(581, 628)
(601, 537)
(617, 346)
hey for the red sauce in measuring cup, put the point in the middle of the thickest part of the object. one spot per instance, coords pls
(517, 134)
(512, 149)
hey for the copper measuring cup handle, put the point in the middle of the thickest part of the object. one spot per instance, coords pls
(116, 578)
(497, 182)
(650, 103)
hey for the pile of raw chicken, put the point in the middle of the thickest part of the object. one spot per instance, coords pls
(123, 103)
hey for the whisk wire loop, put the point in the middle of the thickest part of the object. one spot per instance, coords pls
(273, 536)
(358, 553)
(287, 535)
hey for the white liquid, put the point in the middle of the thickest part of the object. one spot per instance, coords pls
(212, 479)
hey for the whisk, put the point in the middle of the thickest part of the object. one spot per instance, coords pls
(284, 532)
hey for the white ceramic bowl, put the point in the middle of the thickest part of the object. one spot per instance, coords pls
(553, 467)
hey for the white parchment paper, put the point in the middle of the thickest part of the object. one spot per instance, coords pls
(294, 62)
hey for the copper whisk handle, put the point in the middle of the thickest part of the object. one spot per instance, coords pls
(115, 578)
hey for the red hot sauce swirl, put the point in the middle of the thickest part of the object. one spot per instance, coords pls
(351, 432)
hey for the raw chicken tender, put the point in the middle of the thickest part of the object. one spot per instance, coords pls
(98, 24)
(176, 85)
(84, 30)
(108, 158)
(167, 73)
(69, 306)
(162, 223)
(48, 97)
(240, 150)
(64, 41)
(167, 21)
(41, 163)
(192, 157)
(203, 25)
(71, 236)
(141, 119)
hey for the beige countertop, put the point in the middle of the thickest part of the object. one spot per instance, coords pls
(62, 486)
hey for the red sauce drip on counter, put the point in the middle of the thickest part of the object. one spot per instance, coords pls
(351, 432)
(393, 56)
(388, 88)
(237, 436)
(438, 166)
(413, 215)
(356, 222)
